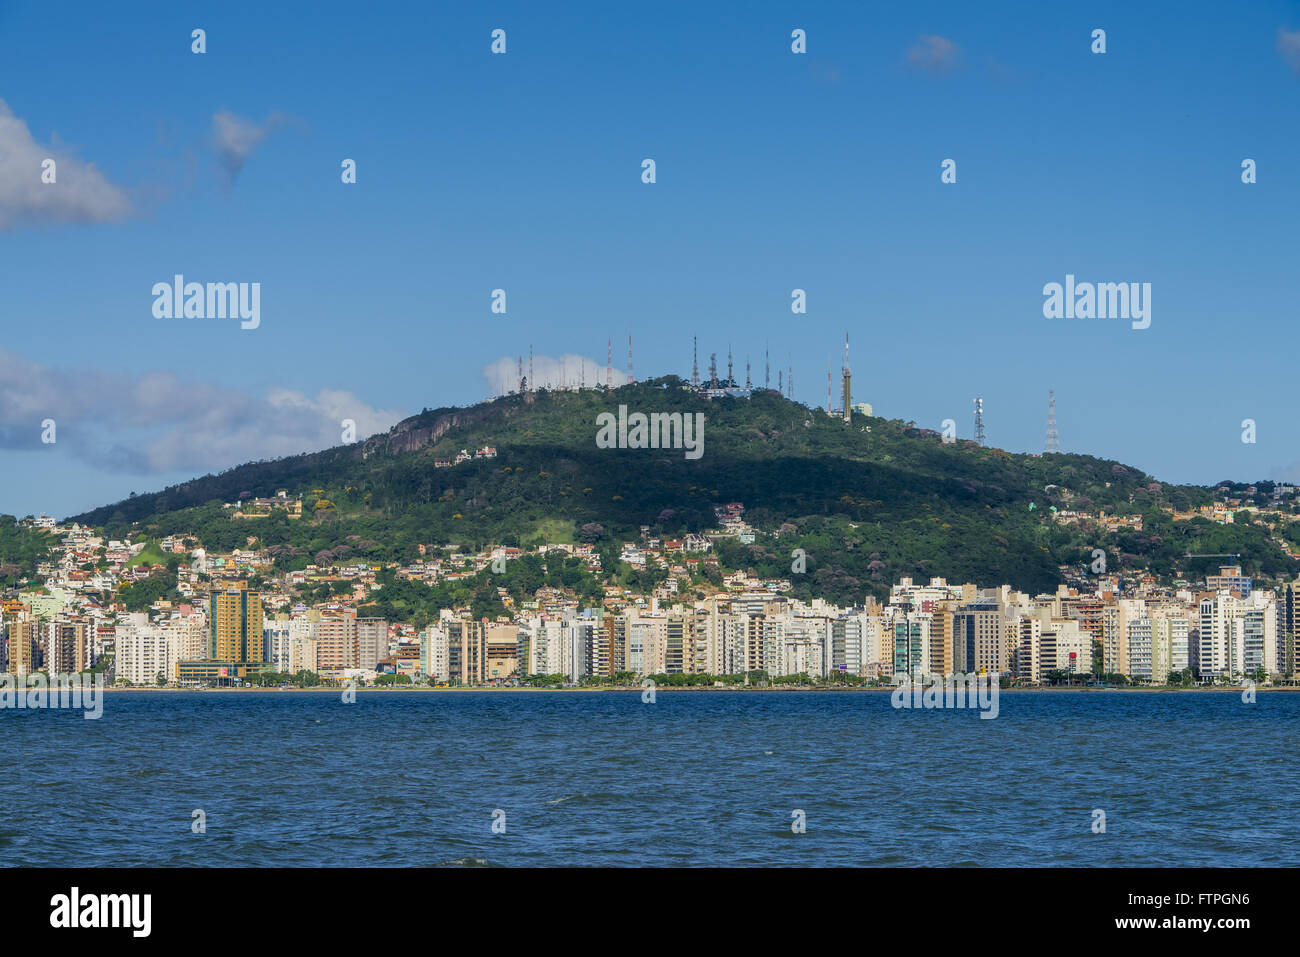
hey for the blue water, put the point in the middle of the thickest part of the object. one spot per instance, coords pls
(697, 778)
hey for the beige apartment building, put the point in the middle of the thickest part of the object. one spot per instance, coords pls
(24, 645)
(66, 647)
(336, 640)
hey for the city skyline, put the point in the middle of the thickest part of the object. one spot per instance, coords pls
(776, 171)
(236, 617)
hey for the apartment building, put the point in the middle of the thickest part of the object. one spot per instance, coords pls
(1230, 579)
(304, 644)
(275, 640)
(145, 653)
(235, 626)
(1024, 635)
(24, 651)
(1237, 636)
(1288, 626)
(477, 652)
(372, 642)
(943, 627)
(336, 640)
(978, 640)
(1157, 647)
(912, 644)
(66, 646)
(1114, 623)
(1064, 646)
(433, 652)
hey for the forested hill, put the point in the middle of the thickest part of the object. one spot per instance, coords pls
(868, 501)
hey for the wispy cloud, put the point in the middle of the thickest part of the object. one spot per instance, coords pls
(1001, 74)
(824, 71)
(1287, 474)
(1288, 45)
(235, 138)
(934, 54)
(159, 423)
(551, 372)
(79, 194)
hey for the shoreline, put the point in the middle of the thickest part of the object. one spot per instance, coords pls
(669, 688)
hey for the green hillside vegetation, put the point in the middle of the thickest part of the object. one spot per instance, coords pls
(151, 554)
(868, 501)
(159, 586)
(20, 550)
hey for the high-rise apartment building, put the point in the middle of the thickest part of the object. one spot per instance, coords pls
(144, 654)
(912, 644)
(433, 652)
(235, 626)
(336, 641)
(482, 652)
(1027, 658)
(66, 646)
(372, 642)
(1157, 647)
(1237, 637)
(977, 639)
(24, 646)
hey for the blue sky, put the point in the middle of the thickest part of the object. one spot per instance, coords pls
(522, 171)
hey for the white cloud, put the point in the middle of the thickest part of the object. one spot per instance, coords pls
(567, 371)
(934, 54)
(158, 423)
(235, 138)
(1288, 45)
(79, 194)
